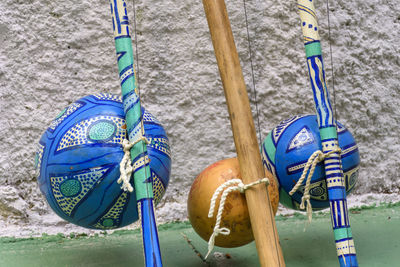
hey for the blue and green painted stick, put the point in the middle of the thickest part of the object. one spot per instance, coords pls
(133, 116)
(333, 167)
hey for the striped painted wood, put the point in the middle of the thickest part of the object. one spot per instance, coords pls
(333, 167)
(135, 130)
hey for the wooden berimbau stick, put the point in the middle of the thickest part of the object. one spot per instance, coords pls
(248, 151)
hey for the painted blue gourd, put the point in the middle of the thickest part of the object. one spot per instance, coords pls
(286, 150)
(78, 163)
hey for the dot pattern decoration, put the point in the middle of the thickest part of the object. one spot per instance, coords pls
(160, 144)
(112, 218)
(309, 23)
(38, 156)
(337, 181)
(147, 117)
(69, 190)
(303, 138)
(131, 99)
(78, 163)
(61, 113)
(158, 188)
(135, 133)
(140, 163)
(64, 114)
(108, 97)
(103, 129)
(126, 74)
(330, 145)
(345, 247)
(70, 187)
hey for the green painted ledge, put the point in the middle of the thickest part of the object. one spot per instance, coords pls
(376, 232)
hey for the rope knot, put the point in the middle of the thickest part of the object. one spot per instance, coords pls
(226, 188)
(126, 145)
(312, 162)
(125, 166)
(222, 231)
(321, 156)
(242, 187)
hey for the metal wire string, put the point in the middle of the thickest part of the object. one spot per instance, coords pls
(256, 104)
(138, 86)
(252, 74)
(334, 101)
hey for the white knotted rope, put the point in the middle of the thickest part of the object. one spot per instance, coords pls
(312, 162)
(226, 188)
(125, 166)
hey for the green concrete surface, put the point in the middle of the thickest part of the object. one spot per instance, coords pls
(376, 231)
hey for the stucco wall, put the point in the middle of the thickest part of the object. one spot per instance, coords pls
(55, 52)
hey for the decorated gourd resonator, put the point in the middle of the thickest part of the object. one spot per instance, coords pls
(78, 163)
(288, 147)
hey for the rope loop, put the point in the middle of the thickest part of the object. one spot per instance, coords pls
(312, 162)
(227, 187)
(125, 166)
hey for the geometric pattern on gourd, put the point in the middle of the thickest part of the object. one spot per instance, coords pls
(38, 157)
(104, 129)
(139, 163)
(160, 144)
(109, 97)
(278, 130)
(318, 190)
(351, 177)
(69, 190)
(267, 163)
(295, 168)
(63, 114)
(340, 128)
(299, 167)
(302, 138)
(349, 150)
(158, 188)
(147, 117)
(113, 216)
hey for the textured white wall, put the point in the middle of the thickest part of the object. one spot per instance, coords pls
(55, 52)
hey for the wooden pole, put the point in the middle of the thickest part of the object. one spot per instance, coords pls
(248, 151)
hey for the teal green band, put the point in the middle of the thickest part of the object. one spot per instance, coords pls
(328, 133)
(124, 45)
(271, 148)
(342, 233)
(313, 49)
